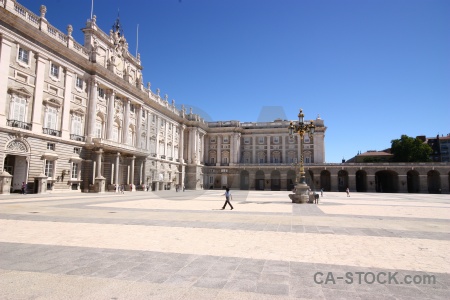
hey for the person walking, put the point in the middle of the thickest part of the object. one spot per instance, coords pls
(321, 192)
(228, 197)
(24, 188)
(348, 192)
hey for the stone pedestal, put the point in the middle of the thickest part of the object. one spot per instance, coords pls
(40, 184)
(301, 194)
(5, 183)
(100, 183)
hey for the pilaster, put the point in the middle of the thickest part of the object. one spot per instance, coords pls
(92, 108)
(5, 57)
(126, 122)
(65, 130)
(110, 124)
(38, 93)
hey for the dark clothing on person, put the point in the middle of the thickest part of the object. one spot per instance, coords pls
(227, 197)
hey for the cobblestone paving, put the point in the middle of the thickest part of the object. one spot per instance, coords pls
(169, 245)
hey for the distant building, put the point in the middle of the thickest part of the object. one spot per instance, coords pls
(371, 156)
(440, 146)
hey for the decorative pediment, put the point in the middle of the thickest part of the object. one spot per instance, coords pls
(52, 101)
(21, 91)
(77, 111)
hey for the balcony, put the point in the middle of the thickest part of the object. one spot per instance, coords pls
(170, 158)
(78, 138)
(19, 124)
(224, 164)
(53, 132)
(163, 156)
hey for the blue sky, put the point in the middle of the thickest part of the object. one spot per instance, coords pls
(372, 69)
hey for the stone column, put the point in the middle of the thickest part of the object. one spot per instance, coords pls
(133, 187)
(138, 126)
(116, 179)
(92, 109)
(283, 146)
(173, 141)
(166, 135)
(126, 122)
(232, 160)
(5, 54)
(268, 150)
(158, 130)
(149, 125)
(253, 149)
(65, 126)
(38, 93)
(181, 143)
(219, 150)
(99, 180)
(109, 130)
(99, 162)
(206, 150)
(238, 147)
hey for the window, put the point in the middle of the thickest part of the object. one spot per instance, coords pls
(74, 174)
(144, 114)
(18, 108)
(276, 139)
(115, 133)
(143, 141)
(49, 168)
(98, 129)
(51, 117)
(226, 140)
(54, 70)
(79, 82)
(130, 137)
(76, 125)
(51, 146)
(261, 140)
(132, 108)
(23, 55)
(246, 140)
(77, 150)
(101, 92)
(306, 138)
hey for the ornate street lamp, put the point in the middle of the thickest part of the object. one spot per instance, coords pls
(301, 188)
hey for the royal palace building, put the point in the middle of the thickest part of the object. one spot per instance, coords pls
(79, 117)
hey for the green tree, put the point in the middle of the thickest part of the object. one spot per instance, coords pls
(409, 149)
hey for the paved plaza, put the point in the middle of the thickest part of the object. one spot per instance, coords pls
(169, 245)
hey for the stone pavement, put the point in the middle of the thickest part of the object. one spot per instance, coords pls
(168, 245)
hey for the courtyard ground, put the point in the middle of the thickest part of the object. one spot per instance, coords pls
(169, 245)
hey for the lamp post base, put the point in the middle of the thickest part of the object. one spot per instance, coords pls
(301, 194)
